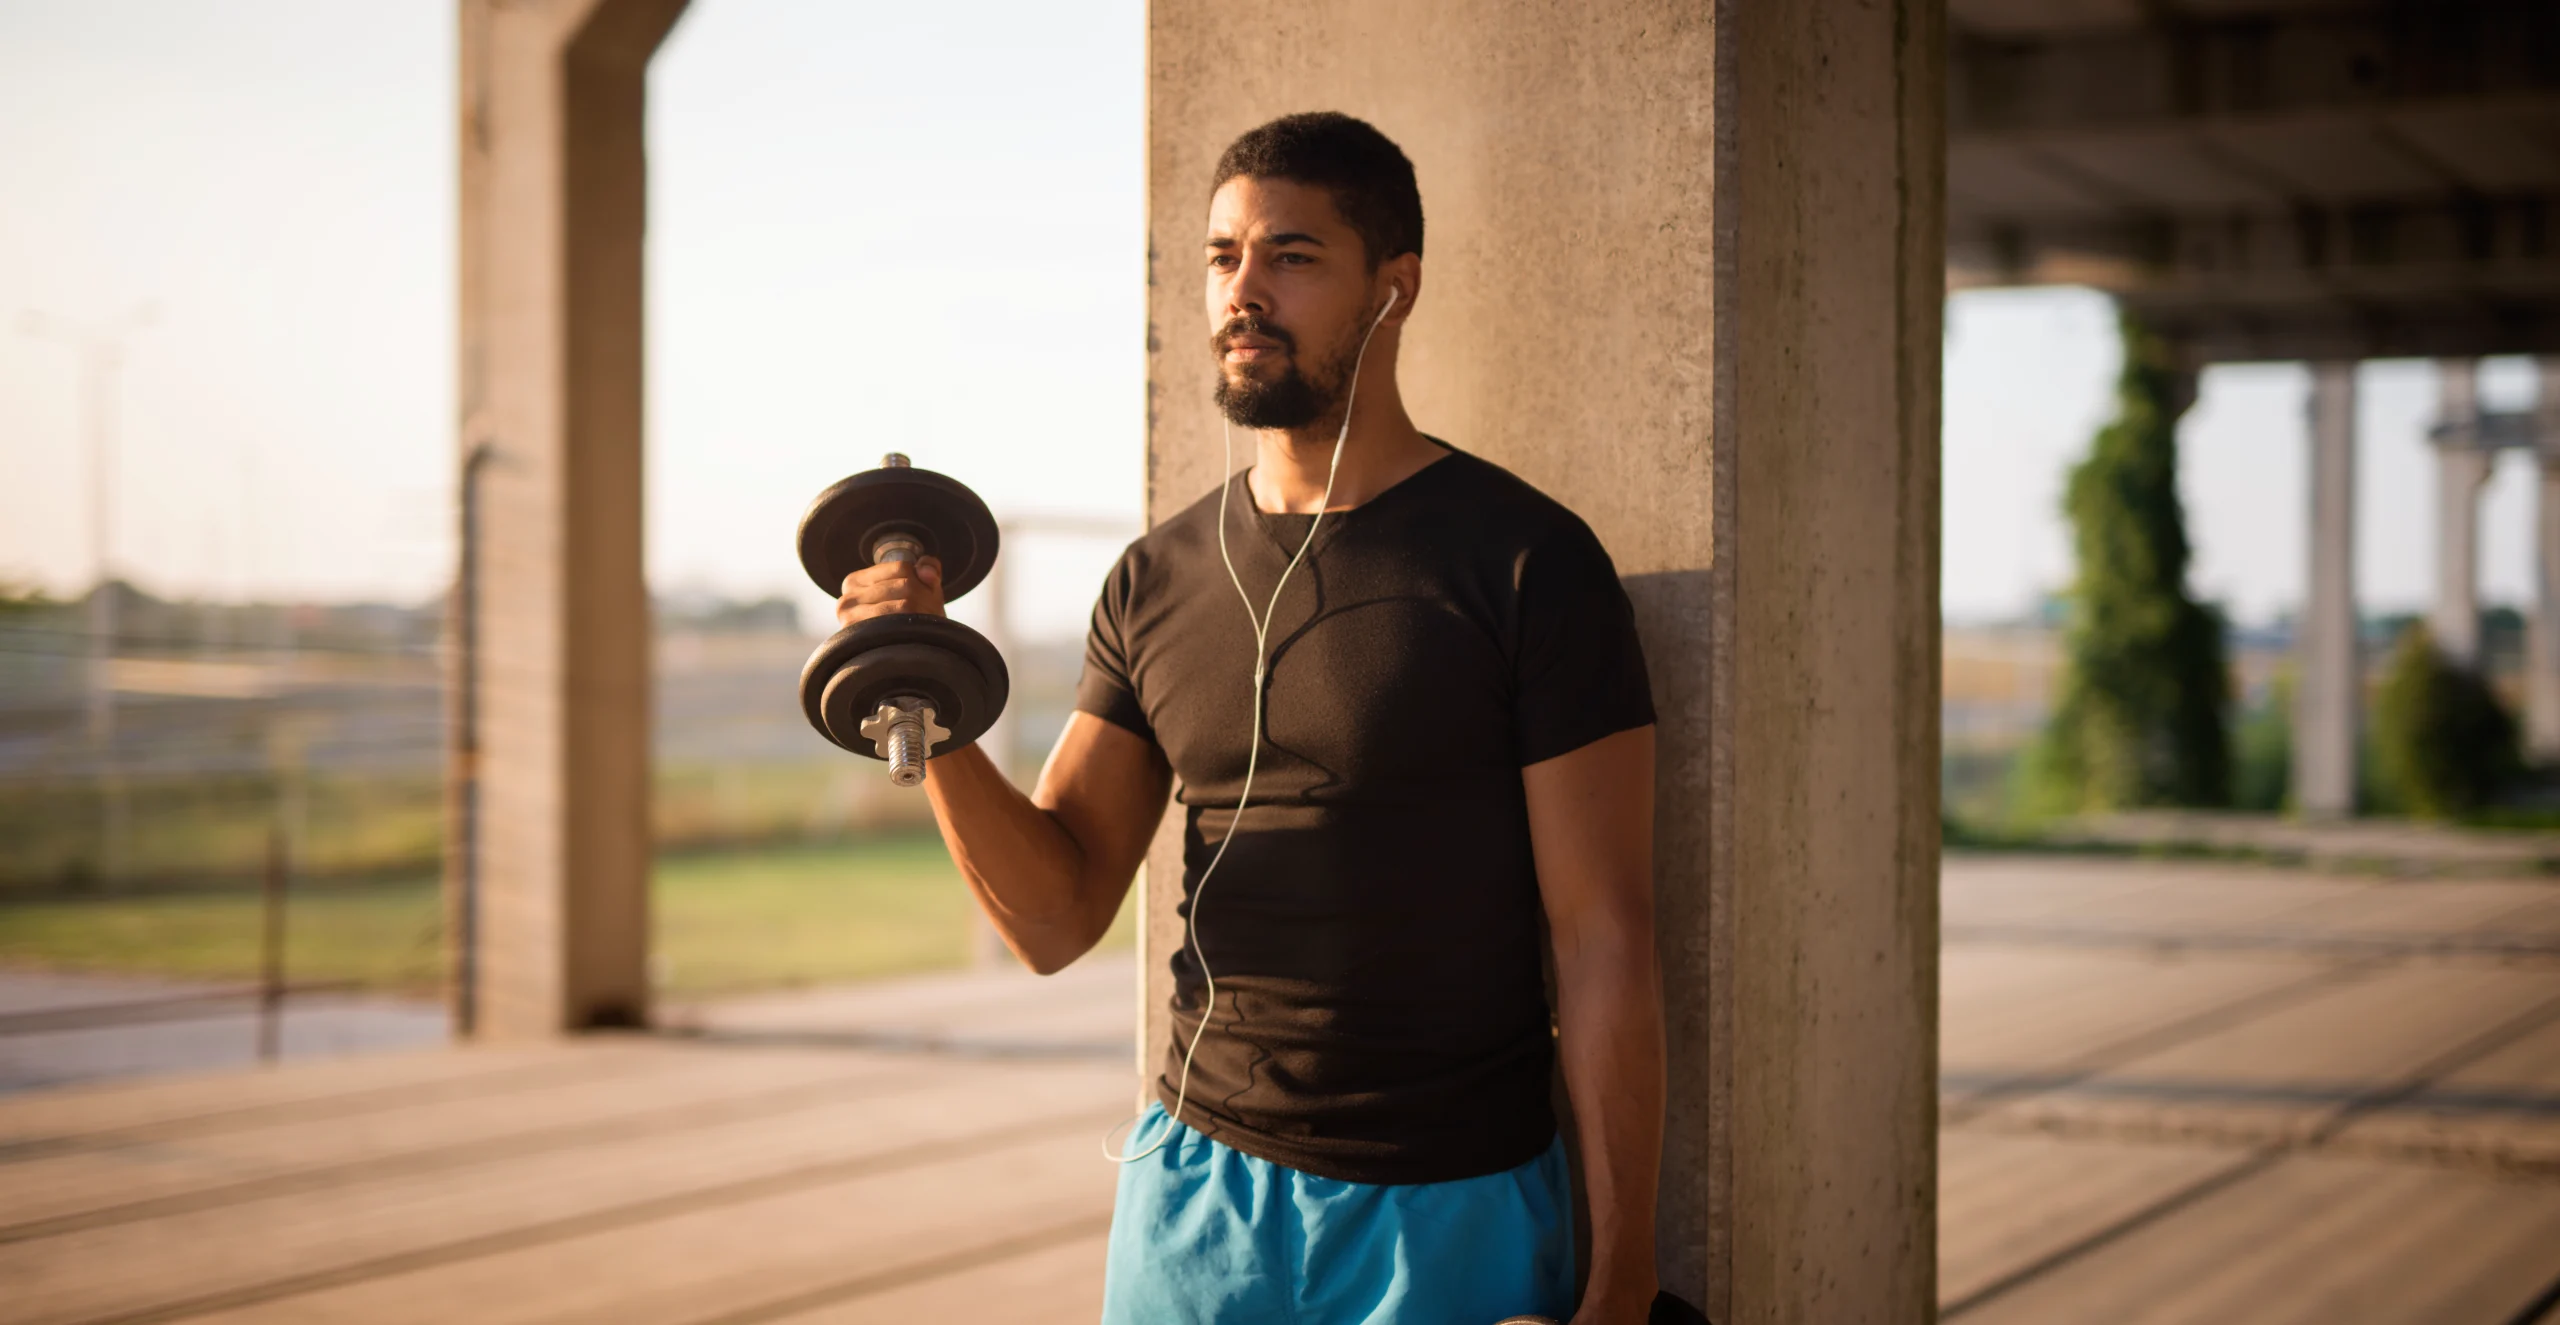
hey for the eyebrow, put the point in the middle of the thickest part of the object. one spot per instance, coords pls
(1284, 237)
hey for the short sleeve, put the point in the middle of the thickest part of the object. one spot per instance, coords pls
(1106, 689)
(1579, 674)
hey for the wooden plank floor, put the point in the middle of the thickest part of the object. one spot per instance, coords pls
(2201, 1093)
(771, 1160)
(2171, 1093)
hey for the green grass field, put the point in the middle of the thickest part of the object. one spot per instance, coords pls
(728, 920)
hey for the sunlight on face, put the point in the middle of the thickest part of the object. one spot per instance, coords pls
(1286, 288)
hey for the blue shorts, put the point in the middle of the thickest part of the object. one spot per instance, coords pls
(1206, 1235)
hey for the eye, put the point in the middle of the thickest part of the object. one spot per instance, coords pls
(1222, 261)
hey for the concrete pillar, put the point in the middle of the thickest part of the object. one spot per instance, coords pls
(1685, 272)
(2462, 467)
(2328, 694)
(2542, 661)
(552, 196)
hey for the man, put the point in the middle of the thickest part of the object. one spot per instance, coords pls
(1447, 734)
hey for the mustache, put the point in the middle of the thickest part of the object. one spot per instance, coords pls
(1246, 324)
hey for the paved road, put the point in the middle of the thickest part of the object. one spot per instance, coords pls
(2172, 1093)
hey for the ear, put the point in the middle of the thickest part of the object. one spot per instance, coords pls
(1404, 273)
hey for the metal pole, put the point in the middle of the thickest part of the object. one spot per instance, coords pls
(101, 351)
(466, 747)
(271, 943)
(96, 368)
(101, 358)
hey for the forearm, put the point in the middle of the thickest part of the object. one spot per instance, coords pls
(1609, 1021)
(1026, 871)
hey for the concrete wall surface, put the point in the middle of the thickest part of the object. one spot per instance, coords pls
(1684, 272)
(552, 202)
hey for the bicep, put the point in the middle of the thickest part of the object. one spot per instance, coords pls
(1591, 832)
(1106, 785)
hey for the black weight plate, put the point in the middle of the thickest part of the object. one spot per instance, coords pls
(906, 653)
(941, 512)
(952, 685)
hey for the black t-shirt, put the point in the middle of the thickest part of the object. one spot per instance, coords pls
(1375, 930)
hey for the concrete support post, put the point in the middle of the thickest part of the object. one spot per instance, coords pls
(2329, 692)
(553, 188)
(2462, 468)
(1685, 273)
(2542, 661)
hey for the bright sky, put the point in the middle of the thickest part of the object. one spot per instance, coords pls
(838, 231)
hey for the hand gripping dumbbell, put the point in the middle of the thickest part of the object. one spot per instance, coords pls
(905, 686)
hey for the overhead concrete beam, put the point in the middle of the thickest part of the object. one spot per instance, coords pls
(2274, 68)
(2449, 276)
(2443, 327)
(1684, 273)
(553, 194)
(2309, 252)
(2296, 182)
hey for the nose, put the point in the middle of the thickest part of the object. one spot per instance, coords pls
(1246, 288)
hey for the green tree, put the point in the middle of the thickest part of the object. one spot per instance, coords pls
(2443, 746)
(2262, 754)
(2141, 720)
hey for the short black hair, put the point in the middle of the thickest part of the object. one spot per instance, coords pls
(1367, 174)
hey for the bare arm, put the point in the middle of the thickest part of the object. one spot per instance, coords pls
(1048, 869)
(1591, 829)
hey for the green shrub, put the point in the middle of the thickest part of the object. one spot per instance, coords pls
(2262, 754)
(2443, 745)
(2141, 717)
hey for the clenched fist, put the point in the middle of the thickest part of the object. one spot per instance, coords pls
(891, 586)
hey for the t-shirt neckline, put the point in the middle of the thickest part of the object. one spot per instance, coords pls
(1269, 521)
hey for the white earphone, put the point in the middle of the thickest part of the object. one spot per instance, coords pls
(1253, 752)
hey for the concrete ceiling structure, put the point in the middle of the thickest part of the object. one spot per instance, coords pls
(2267, 179)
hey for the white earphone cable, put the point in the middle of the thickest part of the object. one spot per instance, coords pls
(1253, 751)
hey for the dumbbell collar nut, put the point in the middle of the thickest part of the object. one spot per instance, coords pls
(904, 732)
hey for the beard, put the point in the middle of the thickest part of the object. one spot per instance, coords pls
(1291, 400)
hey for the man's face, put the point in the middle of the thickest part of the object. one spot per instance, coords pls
(1288, 290)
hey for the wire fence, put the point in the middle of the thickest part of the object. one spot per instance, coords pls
(161, 756)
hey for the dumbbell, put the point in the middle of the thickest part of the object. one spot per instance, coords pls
(908, 685)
